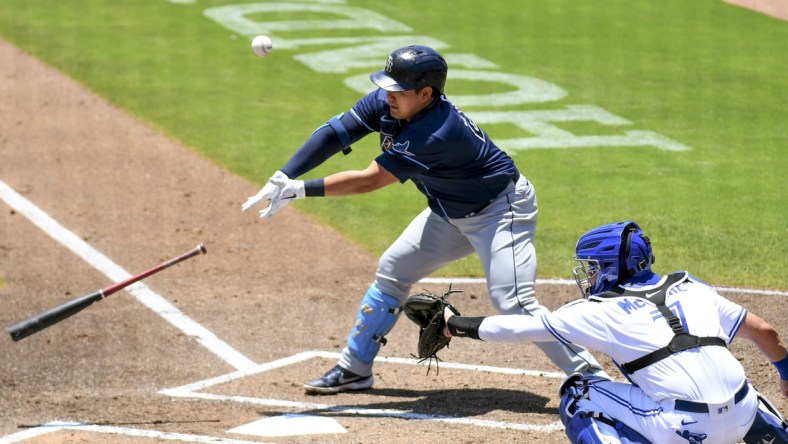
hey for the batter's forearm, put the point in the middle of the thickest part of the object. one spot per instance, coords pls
(348, 183)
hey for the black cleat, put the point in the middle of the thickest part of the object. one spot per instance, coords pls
(338, 380)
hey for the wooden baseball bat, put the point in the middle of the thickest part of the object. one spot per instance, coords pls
(54, 315)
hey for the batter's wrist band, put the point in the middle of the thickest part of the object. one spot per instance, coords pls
(782, 368)
(314, 187)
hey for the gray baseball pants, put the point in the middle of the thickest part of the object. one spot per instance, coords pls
(502, 235)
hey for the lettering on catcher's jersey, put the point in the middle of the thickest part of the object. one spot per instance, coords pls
(629, 305)
(676, 309)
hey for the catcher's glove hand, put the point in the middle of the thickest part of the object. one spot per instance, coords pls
(426, 310)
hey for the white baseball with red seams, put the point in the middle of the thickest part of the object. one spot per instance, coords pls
(262, 45)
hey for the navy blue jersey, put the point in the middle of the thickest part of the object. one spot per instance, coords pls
(451, 160)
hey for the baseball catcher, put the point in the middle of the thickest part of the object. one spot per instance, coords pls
(683, 384)
(426, 310)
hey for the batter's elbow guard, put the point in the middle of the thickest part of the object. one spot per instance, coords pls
(341, 132)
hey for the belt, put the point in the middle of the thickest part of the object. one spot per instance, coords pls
(702, 407)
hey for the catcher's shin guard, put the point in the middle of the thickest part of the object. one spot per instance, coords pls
(586, 426)
(769, 426)
(376, 317)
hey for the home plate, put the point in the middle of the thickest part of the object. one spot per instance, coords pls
(290, 425)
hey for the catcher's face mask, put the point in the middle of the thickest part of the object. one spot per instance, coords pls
(586, 275)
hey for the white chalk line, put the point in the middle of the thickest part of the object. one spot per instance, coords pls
(115, 273)
(56, 426)
(305, 356)
(191, 391)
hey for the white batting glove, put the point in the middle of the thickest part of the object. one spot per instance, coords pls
(279, 191)
(289, 190)
(268, 192)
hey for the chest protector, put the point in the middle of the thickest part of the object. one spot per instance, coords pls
(681, 341)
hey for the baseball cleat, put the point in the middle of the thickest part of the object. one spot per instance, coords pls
(338, 380)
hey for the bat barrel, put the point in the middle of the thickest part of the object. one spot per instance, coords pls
(53, 316)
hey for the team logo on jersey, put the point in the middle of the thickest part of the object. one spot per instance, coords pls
(386, 144)
(402, 148)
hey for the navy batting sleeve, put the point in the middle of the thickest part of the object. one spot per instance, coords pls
(326, 141)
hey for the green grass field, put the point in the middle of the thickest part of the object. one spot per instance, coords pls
(703, 75)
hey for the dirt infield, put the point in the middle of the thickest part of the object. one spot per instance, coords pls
(774, 8)
(267, 290)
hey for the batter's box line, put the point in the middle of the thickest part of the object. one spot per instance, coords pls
(193, 391)
(56, 426)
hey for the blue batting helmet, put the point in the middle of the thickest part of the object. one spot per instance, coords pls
(412, 67)
(611, 254)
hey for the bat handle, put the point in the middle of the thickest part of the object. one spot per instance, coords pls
(199, 249)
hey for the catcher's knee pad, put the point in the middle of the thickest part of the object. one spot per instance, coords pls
(376, 317)
(585, 425)
(769, 426)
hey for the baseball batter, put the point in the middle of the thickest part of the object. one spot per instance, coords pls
(477, 202)
(668, 335)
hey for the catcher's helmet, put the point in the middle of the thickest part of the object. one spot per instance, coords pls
(610, 254)
(412, 67)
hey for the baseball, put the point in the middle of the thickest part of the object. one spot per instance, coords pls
(262, 45)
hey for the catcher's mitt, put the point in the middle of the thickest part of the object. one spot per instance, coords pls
(426, 310)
